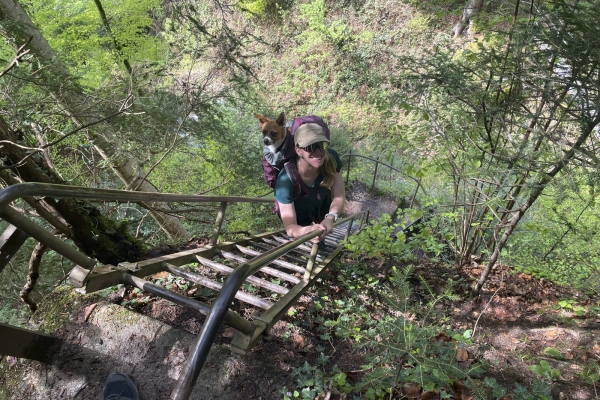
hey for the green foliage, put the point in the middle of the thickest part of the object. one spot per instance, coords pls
(312, 381)
(384, 239)
(319, 31)
(551, 351)
(470, 143)
(538, 391)
(545, 370)
(558, 240)
(403, 348)
(254, 7)
(83, 42)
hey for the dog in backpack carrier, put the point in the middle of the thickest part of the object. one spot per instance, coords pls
(278, 146)
(278, 142)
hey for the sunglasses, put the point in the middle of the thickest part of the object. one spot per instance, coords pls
(314, 147)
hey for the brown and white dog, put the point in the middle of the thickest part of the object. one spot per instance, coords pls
(273, 131)
(278, 146)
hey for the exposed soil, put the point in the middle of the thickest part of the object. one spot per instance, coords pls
(360, 198)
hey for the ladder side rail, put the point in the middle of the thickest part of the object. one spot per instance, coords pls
(19, 190)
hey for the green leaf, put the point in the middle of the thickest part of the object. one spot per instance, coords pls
(551, 351)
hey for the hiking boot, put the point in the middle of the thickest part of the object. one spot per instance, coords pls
(119, 387)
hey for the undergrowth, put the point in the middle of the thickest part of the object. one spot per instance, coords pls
(409, 346)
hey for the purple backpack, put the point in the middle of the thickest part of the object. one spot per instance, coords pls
(271, 171)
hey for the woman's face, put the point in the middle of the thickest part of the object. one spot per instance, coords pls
(313, 158)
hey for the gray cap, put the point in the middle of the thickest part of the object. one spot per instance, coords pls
(308, 134)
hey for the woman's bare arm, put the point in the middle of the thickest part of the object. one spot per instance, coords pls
(288, 217)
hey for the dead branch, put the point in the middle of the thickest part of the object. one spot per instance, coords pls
(20, 54)
(34, 273)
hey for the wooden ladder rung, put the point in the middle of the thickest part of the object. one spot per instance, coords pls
(266, 270)
(281, 263)
(287, 255)
(214, 285)
(252, 279)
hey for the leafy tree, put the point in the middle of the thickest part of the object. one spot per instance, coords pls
(66, 90)
(508, 113)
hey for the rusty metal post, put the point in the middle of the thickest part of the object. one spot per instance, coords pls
(392, 165)
(10, 242)
(311, 262)
(375, 174)
(218, 223)
(42, 235)
(348, 170)
(349, 228)
(364, 220)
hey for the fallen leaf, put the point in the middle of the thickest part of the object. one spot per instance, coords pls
(442, 336)
(11, 361)
(88, 311)
(430, 395)
(461, 391)
(297, 343)
(229, 332)
(462, 355)
(159, 275)
(411, 390)
(354, 375)
(335, 289)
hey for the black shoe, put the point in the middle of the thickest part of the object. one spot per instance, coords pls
(119, 387)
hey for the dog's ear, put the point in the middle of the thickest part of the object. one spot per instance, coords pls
(261, 119)
(281, 120)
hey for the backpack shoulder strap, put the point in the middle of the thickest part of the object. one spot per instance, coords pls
(298, 185)
(292, 172)
(290, 151)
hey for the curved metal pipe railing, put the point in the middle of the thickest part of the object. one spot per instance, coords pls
(203, 342)
(377, 162)
(20, 190)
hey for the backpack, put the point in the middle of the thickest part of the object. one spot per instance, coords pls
(301, 190)
(270, 172)
(287, 161)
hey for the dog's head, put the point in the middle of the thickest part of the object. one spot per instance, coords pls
(273, 131)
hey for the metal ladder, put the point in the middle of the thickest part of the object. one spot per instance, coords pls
(256, 260)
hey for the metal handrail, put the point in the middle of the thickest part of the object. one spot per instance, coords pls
(78, 275)
(19, 190)
(204, 340)
(377, 162)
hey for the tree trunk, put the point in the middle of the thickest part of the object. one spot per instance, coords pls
(473, 7)
(535, 194)
(77, 220)
(65, 89)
